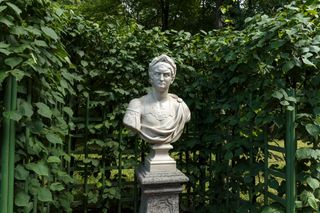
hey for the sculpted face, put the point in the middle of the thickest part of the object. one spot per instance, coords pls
(161, 77)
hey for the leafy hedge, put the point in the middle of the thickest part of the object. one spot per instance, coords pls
(234, 83)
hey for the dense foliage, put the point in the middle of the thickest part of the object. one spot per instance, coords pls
(31, 51)
(234, 82)
(189, 15)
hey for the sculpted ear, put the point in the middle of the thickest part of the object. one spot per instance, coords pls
(172, 80)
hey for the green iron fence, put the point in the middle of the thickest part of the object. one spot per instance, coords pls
(287, 174)
(8, 147)
(103, 161)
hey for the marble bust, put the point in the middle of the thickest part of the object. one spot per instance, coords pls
(158, 117)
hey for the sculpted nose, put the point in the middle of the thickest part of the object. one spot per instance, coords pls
(161, 77)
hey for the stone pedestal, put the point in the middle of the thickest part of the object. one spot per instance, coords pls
(159, 159)
(160, 182)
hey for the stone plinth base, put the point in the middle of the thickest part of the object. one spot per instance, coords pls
(159, 159)
(160, 190)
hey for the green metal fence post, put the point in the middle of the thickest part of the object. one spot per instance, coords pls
(12, 145)
(266, 165)
(120, 169)
(27, 134)
(86, 189)
(5, 150)
(291, 146)
(8, 143)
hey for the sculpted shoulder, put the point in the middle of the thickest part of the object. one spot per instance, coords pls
(133, 113)
(135, 104)
(185, 108)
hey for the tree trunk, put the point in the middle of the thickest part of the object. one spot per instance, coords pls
(217, 15)
(164, 4)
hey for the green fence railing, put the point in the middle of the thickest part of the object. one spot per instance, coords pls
(103, 162)
(8, 147)
(289, 173)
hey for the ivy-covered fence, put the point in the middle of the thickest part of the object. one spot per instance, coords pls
(75, 78)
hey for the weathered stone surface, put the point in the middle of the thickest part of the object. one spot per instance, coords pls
(160, 190)
(159, 160)
(158, 117)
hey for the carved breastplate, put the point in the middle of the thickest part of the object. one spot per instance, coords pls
(156, 113)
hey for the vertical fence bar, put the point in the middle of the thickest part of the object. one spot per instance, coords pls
(252, 185)
(27, 134)
(290, 146)
(8, 143)
(120, 170)
(85, 202)
(5, 149)
(266, 165)
(135, 184)
(12, 145)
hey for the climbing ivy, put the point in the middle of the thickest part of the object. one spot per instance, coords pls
(234, 83)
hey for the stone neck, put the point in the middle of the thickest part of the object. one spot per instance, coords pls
(160, 96)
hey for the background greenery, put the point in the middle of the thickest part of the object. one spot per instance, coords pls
(76, 65)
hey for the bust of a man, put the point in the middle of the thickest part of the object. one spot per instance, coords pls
(159, 117)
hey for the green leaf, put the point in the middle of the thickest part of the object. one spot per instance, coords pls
(34, 185)
(313, 183)
(53, 138)
(25, 109)
(84, 63)
(313, 203)
(54, 159)
(57, 187)
(290, 108)
(19, 74)
(13, 61)
(44, 110)
(312, 129)
(308, 62)
(21, 173)
(12, 115)
(5, 21)
(3, 76)
(21, 199)
(288, 66)
(278, 43)
(277, 95)
(308, 153)
(44, 195)
(272, 209)
(314, 49)
(284, 103)
(4, 45)
(40, 43)
(34, 30)
(50, 32)
(299, 204)
(6, 52)
(228, 155)
(68, 110)
(291, 99)
(15, 8)
(18, 30)
(39, 168)
(2, 8)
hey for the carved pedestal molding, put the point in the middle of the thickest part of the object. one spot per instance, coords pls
(159, 159)
(160, 190)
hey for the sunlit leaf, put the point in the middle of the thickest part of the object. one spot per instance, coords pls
(44, 110)
(50, 32)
